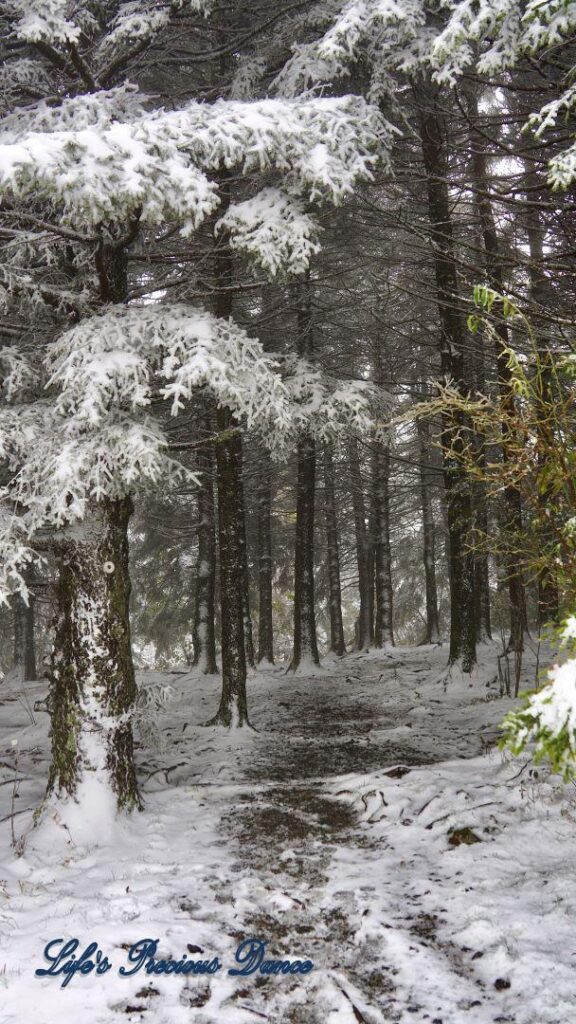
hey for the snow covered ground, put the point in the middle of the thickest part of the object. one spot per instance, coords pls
(368, 825)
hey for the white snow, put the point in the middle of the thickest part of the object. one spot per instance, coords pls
(307, 834)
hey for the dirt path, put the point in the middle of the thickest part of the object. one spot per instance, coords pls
(287, 832)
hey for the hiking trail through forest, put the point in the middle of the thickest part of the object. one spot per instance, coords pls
(366, 823)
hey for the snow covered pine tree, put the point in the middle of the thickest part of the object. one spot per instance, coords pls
(423, 46)
(98, 165)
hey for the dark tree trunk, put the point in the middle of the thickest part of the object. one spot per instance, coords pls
(233, 708)
(452, 346)
(364, 630)
(203, 631)
(482, 590)
(305, 642)
(495, 272)
(383, 628)
(429, 536)
(92, 686)
(540, 294)
(24, 668)
(264, 507)
(245, 571)
(337, 644)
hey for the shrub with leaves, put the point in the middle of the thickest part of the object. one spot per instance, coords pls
(547, 718)
(525, 435)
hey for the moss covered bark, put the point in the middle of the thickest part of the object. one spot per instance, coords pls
(92, 684)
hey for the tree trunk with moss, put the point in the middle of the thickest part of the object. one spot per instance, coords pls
(92, 685)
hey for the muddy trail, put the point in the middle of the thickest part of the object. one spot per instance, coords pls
(286, 830)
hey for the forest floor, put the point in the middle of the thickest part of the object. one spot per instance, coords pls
(368, 824)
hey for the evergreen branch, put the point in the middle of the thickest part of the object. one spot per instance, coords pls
(82, 68)
(28, 218)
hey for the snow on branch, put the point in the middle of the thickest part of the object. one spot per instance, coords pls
(508, 30)
(157, 162)
(388, 32)
(91, 438)
(327, 407)
(274, 230)
(75, 113)
(62, 23)
(105, 362)
(46, 21)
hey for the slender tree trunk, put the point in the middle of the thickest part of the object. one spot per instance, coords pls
(233, 708)
(264, 507)
(452, 345)
(429, 536)
(245, 578)
(24, 668)
(305, 641)
(495, 273)
(363, 553)
(92, 686)
(383, 629)
(337, 644)
(203, 631)
(540, 294)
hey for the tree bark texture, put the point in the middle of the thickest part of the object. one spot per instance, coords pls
(363, 551)
(92, 685)
(203, 631)
(452, 345)
(264, 506)
(428, 535)
(383, 605)
(337, 644)
(305, 641)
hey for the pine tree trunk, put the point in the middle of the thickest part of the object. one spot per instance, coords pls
(337, 644)
(233, 708)
(364, 627)
(92, 685)
(305, 643)
(203, 630)
(383, 618)
(264, 506)
(541, 295)
(483, 616)
(245, 578)
(493, 260)
(24, 668)
(429, 536)
(452, 346)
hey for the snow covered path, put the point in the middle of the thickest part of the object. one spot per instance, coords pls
(348, 830)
